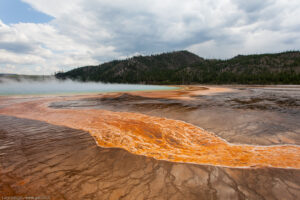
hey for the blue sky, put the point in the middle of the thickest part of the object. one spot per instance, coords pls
(42, 36)
(15, 11)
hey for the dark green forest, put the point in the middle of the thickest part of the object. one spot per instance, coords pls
(183, 67)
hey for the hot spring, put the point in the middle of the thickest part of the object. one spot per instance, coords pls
(8, 87)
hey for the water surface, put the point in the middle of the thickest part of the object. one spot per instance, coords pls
(69, 87)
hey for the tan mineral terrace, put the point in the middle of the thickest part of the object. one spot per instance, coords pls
(156, 137)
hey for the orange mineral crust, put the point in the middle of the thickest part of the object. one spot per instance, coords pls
(156, 137)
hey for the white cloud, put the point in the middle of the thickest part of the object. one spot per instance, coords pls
(87, 32)
(40, 46)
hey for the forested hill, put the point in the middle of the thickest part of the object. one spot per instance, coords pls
(183, 67)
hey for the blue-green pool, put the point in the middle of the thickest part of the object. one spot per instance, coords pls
(70, 87)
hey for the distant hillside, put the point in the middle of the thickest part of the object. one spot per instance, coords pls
(183, 67)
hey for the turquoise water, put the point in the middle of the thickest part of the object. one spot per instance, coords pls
(70, 87)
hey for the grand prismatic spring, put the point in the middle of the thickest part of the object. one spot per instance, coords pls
(186, 142)
(157, 137)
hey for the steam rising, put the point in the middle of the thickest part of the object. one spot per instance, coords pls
(54, 86)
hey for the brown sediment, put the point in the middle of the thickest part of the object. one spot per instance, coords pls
(156, 137)
(184, 92)
(181, 93)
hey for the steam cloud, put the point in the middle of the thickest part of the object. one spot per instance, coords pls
(54, 86)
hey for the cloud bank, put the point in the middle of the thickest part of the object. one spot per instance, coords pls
(87, 32)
